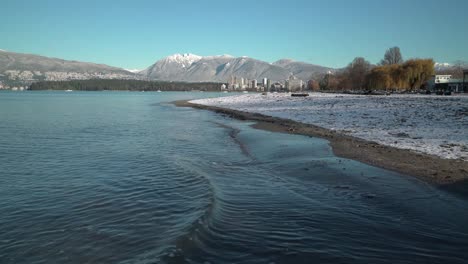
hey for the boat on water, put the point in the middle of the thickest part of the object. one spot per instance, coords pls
(159, 91)
(68, 90)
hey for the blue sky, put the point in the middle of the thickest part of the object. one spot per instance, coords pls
(134, 34)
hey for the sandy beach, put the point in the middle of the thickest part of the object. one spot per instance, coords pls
(430, 168)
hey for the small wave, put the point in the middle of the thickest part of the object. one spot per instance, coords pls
(187, 241)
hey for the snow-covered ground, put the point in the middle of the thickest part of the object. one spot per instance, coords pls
(435, 125)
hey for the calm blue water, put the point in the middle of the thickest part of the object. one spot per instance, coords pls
(120, 177)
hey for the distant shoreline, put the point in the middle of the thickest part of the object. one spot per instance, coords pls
(429, 168)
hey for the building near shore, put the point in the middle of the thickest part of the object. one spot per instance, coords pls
(455, 85)
(254, 84)
(293, 84)
(278, 85)
(447, 83)
(248, 83)
(242, 83)
(438, 81)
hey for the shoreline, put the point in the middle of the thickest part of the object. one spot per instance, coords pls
(432, 169)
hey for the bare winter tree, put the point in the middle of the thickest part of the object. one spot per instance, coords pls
(392, 56)
(355, 74)
(459, 66)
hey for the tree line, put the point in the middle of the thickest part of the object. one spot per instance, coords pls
(392, 73)
(123, 85)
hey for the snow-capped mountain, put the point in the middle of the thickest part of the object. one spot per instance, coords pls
(184, 60)
(455, 69)
(442, 65)
(194, 68)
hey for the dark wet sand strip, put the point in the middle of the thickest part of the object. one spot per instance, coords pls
(426, 167)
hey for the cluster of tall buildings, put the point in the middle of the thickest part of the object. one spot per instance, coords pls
(243, 84)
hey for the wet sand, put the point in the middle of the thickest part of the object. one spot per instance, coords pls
(432, 169)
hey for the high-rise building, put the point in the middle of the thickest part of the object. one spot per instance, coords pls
(254, 84)
(265, 82)
(294, 84)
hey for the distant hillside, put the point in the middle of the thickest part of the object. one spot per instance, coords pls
(302, 70)
(28, 68)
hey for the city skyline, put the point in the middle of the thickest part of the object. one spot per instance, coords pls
(135, 35)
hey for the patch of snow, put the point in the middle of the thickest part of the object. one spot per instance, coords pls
(184, 60)
(422, 123)
(3, 50)
(133, 70)
(442, 64)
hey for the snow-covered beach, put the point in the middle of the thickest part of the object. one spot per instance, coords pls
(434, 125)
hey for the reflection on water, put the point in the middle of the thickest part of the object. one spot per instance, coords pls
(127, 178)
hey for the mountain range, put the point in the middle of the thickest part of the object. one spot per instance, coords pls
(22, 62)
(19, 68)
(194, 68)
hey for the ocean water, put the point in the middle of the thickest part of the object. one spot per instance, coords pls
(121, 177)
